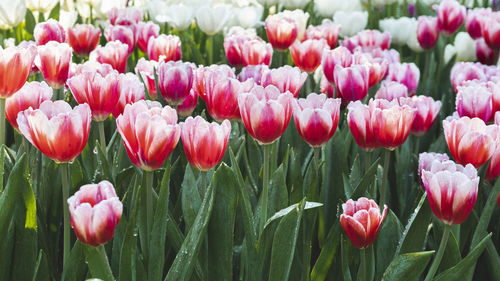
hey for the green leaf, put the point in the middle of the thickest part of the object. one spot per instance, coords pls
(54, 14)
(486, 213)
(327, 254)
(182, 266)
(41, 267)
(8, 198)
(103, 164)
(284, 241)
(75, 267)
(451, 254)
(460, 269)
(283, 212)
(98, 262)
(407, 266)
(221, 226)
(365, 182)
(30, 22)
(387, 241)
(278, 193)
(191, 199)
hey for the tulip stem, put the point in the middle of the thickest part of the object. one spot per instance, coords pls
(203, 175)
(149, 201)
(364, 273)
(439, 255)
(2, 121)
(265, 186)
(102, 137)
(317, 155)
(368, 160)
(65, 194)
(385, 183)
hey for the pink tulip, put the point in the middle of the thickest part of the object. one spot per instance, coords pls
(426, 111)
(285, 78)
(201, 74)
(125, 16)
(474, 99)
(175, 80)
(55, 59)
(168, 46)
(307, 54)
(368, 40)
(450, 16)
(474, 21)
(404, 73)
(390, 90)
(325, 87)
(426, 161)
(376, 67)
(90, 66)
(114, 53)
(187, 107)
(15, 67)
(351, 82)
(143, 32)
(83, 38)
(281, 31)
(51, 30)
(120, 33)
(327, 30)
(484, 53)
(316, 118)
(465, 71)
(491, 30)
(204, 143)
(95, 212)
(427, 31)
(146, 68)
(331, 58)
(255, 72)
(256, 51)
(130, 89)
(233, 43)
(359, 121)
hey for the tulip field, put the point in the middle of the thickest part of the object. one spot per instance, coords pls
(304, 140)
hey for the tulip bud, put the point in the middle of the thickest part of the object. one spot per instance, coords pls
(428, 159)
(83, 38)
(404, 73)
(328, 30)
(491, 30)
(285, 78)
(47, 31)
(168, 46)
(175, 80)
(120, 33)
(15, 67)
(233, 43)
(465, 71)
(427, 31)
(390, 90)
(55, 59)
(474, 21)
(211, 20)
(450, 16)
(426, 111)
(256, 51)
(307, 55)
(187, 107)
(359, 121)
(474, 99)
(281, 31)
(114, 53)
(331, 58)
(351, 82)
(130, 90)
(125, 16)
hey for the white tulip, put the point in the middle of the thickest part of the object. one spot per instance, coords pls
(42, 6)
(398, 28)
(9, 42)
(248, 16)
(102, 9)
(412, 42)
(379, 3)
(327, 8)
(351, 22)
(178, 16)
(465, 46)
(449, 52)
(158, 8)
(268, 3)
(211, 20)
(67, 19)
(300, 18)
(12, 13)
(294, 4)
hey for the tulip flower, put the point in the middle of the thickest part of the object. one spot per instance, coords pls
(187, 107)
(178, 16)
(265, 112)
(219, 87)
(114, 53)
(247, 16)
(351, 82)
(98, 91)
(83, 38)
(149, 132)
(201, 74)
(204, 143)
(32, 94)
(404, 73)
(120, 33)
(376, 67)
(484, 53)
(130, 90)
(465, 47)
(491, 31)
(285, 78)
(316, 118)
(255, 72)
(494, 166)
(474, 99)
(325, 87)
(175, 80)
(331, 58)
(90, 66)
(256, 51)
(390, 90)
(47, 31)
(465, 71)
(426, 160)
(146, 69)
(426, 111)
(474, 21)
(56, 129)
(55, 59)
(327, 30)
(281, 31)
(126, 16)
(361, 221)
(451, 190)
(12, 13)
(41, 6)
(352, 22)
(300, 17)
(211, 20)
(294, 4)
(450, 16)
(15, 67)
(307, 54)
(95, 212)
(427, 31)
(233, 43)
(470, 140)
(391, 123)
(368, 40)
(168, 46)
(398, 28)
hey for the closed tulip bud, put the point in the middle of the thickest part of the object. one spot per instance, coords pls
(491, 30)
(56, 129)
(328, 30)
(51, 30)
(351, 82)
(99, 92)
(204, 143)
(95, 212)
(465, 71)
(187, 107)
(471, 141)
(316, 118)
(427, 31)
(32, 94)
(452, 191)
(331, 58)
(175, 80)
(255, 72)
(285, 78)
(474, 99)
(484, 53)
(265, 112)
(405, 73)
(114, 53)
(390, 90)
(233, 44)
(149, 132)
(168, 46)
(281, 31)
(83, 38)
(426, 111)
(146, 69)
(474, 21)
(359, 121)
(125, 16)
(15, 67)
(130, 90)
(307, 54)
(361, 221)
(256, 51)
(55, 59)
(450, 16)
(120, 33)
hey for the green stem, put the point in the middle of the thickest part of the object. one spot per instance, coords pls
(102, 137)
(439, 255)
(2, 121)
(265, 186)
(317, 155)
(383, 188)
(203, 175)
(98, 262)
(486, 213)
(417, 145)
(368, 160)
(210, 49)
(364, 273)
(149, 201)
(104, 260)
(427, 69)
(65, 194)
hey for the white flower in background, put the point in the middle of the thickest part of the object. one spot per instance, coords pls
(379, 3)
(178, 16)
(248, 16)
(465, 47)
(211, 20)
(12, 13)
(412, 42)
(42, 6)
(158, 8)
(351, 22)
(9, 42)
(300, 17)
(268, 3)
(294, 4)
(327, 8)
(67, 19)
(398, 28)
(449, 52)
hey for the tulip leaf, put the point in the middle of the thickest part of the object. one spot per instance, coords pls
(41, 267)
(486, 214)
(182, 266)
(54, 13)
(460, 269)
(191, 198)
(407, 266)
(451, 254)
(327, 254)
(221, 226)
(360, 188)
(283, 212)
(98, 263)
(278, 193)
(75, 268)
(387, 241)
(284, 241)
(6, 250)
(8, 198)
(30, 22)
